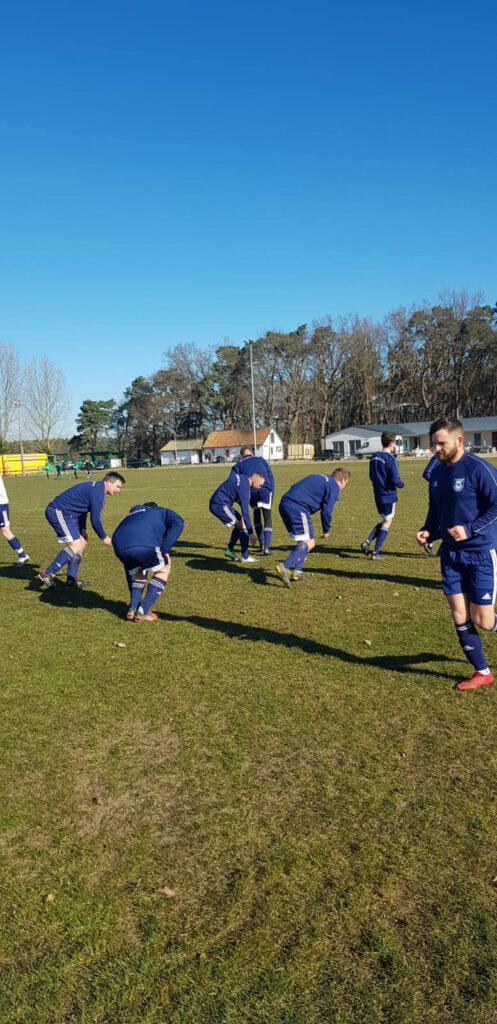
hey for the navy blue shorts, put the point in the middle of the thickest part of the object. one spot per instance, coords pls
(226, 513)
(297, 521)
(385, 508)
(146, 558)
(261, 498)
(67, 527)
(470, 572)
(4, 516)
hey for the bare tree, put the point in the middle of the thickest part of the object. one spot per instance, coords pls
(45, 400)
(10, 386)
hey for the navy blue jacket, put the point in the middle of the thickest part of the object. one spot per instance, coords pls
(146, 526)
(82, 499)
(463, 493)
(384, 476)
(235, 489)
(430, 467)
(315, 493)
(251, 464)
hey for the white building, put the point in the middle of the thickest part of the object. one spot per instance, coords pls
(186, 453)
(226, 444)
(478, 431)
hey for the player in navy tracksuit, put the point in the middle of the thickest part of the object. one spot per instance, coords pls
(67, 515)
(315, 493)
(236, 489)
(462, 512)
(261, 500)
(143, 542)
(384, 476)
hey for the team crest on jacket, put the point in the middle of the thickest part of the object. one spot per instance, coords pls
(458, 483)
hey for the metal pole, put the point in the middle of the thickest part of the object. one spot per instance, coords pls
(18, 407)
(253, 397)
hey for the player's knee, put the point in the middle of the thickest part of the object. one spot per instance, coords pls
(484, 618)
(311, 543)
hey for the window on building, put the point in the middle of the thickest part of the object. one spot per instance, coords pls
(477, 438)
(272, 437)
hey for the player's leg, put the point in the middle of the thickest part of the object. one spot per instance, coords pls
(301, 530)
(68, 534)
(457, 587)
(160, 574)
(387, 512)
(14, 541)
(264, 505)
(74, 564)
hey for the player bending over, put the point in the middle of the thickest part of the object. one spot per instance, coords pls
(462, 511)
(315, 493)
(261, 499)
(67, 516)
(142, 542)
(5, 530)
(236, 489)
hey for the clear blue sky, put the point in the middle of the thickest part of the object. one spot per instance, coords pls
(193, 171)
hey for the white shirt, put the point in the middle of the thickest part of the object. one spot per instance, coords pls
(3, 493)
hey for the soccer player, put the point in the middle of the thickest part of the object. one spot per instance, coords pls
(462, 511)
(261, 500)
(5, 530)
(236, 489)
(142, 542)
(67, 516)
(315, 493)
(384, 476)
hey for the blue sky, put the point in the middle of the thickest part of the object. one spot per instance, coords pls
(195, 172)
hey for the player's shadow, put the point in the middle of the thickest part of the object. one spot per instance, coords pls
(410, 664)
(62, 596)
(25, 573)
(356, 553)
(409, 581)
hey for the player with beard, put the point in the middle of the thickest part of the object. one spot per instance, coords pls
(462, 512)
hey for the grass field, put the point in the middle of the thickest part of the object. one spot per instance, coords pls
(271, 806)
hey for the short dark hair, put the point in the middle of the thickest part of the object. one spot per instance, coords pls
(387, 437)
(446, 423)
(113, 477)
(150, 504)
(341, 474)
(246, 450)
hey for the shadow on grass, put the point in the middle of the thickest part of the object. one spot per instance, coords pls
(357, 553)
(408, 581)
(20, 572)
(404, 663)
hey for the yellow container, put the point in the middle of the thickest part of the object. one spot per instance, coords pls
(11, 465)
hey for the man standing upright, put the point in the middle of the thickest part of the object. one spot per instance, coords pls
(462, 512)
(384, 476)
(67, 516)
(261, 499)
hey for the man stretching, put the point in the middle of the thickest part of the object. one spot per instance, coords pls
(384, 476)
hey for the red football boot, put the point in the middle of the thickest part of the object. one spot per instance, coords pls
(475, 682)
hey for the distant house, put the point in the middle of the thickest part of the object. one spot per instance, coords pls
(225, 444)
(478, 430)
(186, 453)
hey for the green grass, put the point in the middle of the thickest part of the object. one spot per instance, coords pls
(293, 764)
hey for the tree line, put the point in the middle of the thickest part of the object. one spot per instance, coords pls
(33, 400)
(414, 364)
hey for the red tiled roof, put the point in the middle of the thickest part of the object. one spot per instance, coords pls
(235, 438)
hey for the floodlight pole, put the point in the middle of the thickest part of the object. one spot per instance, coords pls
(18, 407)
(253, 397)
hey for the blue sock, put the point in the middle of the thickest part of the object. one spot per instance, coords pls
(380, 539)
(294, 557)
(471, 644)
(258, 525)
(136, 591)
(244, 543)
(234, 538)
(154, 591)
(58, 563)
(267, 534)
(73, 567)
(302, 550)
(374, 533)
(17, 546)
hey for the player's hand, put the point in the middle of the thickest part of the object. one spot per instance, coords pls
(422, 537)
(324, 536)
(253, 540)
(107, 541)
(457, 533)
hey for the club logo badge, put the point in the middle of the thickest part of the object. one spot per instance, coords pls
(458, 484)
